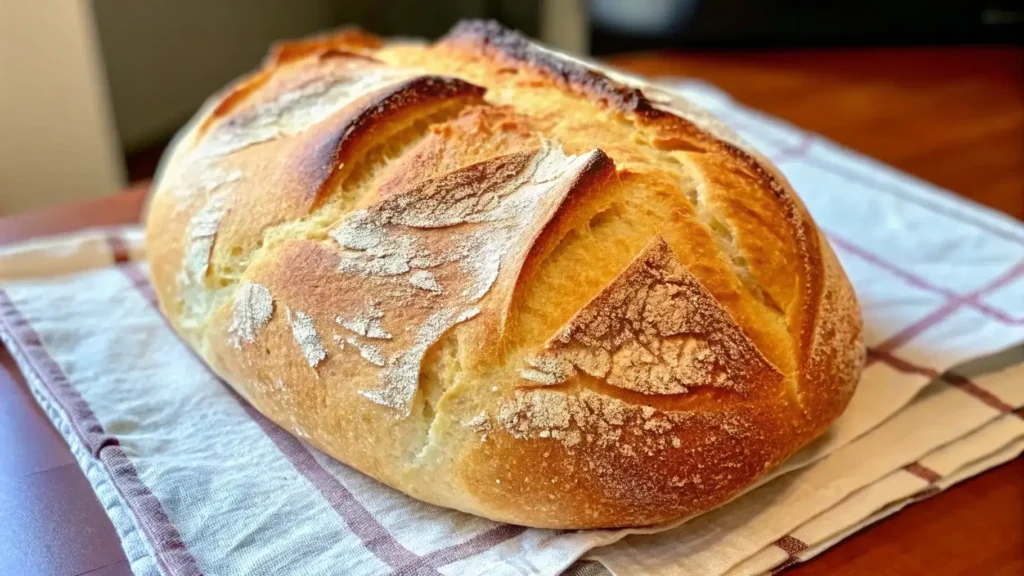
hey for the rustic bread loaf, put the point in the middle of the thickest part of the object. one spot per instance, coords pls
(502, 281)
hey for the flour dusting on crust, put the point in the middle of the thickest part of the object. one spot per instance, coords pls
(201, 176)
(425, 280)
(547, 370)
(202, 230)
(297, 109)
(366, 323)
(480, 424)
(457, 230)
(400, 378)
(538, 376)
(655, 330)
(306, 337)
(369, 352)
(250, 312)
(591, 418)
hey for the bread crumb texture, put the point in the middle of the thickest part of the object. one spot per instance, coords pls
(502, 280)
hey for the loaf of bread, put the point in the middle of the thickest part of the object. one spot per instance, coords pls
(501, 280)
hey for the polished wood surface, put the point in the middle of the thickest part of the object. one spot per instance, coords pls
(954, 117)
(122, 208)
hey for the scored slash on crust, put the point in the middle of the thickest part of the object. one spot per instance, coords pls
(462, 227)
(655, 330)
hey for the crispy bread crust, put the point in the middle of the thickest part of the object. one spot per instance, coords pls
(502, 280)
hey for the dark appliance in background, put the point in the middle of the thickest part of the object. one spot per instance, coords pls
(628, 25)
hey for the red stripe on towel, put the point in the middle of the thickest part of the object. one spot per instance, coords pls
(171, 552)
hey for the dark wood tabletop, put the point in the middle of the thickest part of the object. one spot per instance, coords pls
(953, 116)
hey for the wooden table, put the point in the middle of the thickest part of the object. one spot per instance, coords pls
(951, 116)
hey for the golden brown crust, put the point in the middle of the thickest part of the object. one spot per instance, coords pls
(342, 41)
(501, 280)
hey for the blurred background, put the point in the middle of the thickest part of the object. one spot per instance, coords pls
(91, 91)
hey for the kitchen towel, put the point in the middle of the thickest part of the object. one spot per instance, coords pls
(196, 481)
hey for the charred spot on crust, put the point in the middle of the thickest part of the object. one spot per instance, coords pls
(493, 39)
(489, 35)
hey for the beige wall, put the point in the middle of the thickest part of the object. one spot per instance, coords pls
(57, 141)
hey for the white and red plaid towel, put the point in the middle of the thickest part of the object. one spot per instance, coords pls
(195, 481)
